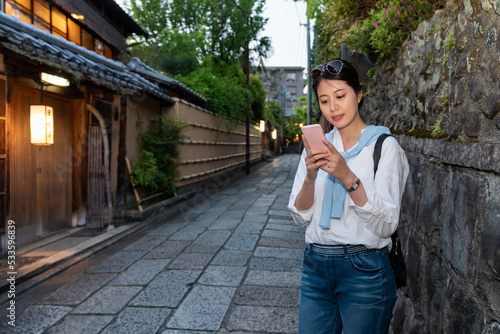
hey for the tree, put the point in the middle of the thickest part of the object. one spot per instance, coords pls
(202, 44)
(194, 30)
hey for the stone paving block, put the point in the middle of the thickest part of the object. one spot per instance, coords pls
(167, 228)
(257, 210)
(283, 234)
(177, 331)
(138, 320)
(263, 319)
(272, 264)
(167, 289)
(213, 238)
(278, 252)
(204, 308)
(231, 258)
(242, 241)
(183, 235)
(233, 214)
(36, 319)
(255, 218)
(222, 275)
(140, 273)
(204, 221)
(282, 243)
(81, 324)
(78, 289)
(147, 242)
(279, 213)
(283, 221)
(169, 249)
(118, 262)
(194, 248)
(108, 300)
(214, 212)
(241, 205)
(249, 227)
(274, 278)
(191, 261)
(225, 224)
(267, 296)
(286, 227)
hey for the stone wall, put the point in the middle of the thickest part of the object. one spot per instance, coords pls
(440, 95)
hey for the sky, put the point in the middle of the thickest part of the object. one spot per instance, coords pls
(288, 36)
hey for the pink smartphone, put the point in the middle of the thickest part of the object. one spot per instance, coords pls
(314, 135)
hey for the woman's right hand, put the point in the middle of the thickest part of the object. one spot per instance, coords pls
(314, 160)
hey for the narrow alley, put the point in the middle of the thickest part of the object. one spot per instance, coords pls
(228, 263)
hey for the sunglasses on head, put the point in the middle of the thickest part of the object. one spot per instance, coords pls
(333, 67)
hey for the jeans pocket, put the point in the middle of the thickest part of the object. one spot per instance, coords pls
(307, 253)
(367, 262)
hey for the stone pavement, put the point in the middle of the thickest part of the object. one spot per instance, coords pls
(229, 262)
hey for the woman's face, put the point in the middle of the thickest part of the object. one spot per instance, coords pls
(338, 102)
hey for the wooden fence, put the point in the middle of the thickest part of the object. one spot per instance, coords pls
(212, 144)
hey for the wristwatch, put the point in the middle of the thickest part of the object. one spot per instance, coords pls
(354, 186)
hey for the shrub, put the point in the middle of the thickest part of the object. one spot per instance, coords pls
(155, 171)
(374, 28)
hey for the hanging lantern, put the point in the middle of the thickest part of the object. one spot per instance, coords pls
(274, 134)
(42, 125)
(262, 126)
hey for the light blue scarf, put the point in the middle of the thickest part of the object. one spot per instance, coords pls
(335, 192)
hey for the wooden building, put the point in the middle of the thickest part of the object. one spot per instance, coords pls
(73, 177)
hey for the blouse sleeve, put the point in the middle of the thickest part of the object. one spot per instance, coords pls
(380, 214)
(302, 218)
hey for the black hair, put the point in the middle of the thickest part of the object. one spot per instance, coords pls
(347, 74)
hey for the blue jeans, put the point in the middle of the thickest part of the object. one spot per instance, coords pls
(351, 292)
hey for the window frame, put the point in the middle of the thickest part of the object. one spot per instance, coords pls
(54, 30)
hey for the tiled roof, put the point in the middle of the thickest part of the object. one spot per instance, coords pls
(73, 59)
(138, 66)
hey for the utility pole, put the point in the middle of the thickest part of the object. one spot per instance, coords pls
(247, 70)
(283, 108)
(247, 121)
(309, 81)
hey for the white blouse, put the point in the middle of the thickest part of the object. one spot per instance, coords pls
(372, 224)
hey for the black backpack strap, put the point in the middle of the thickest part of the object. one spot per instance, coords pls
(377, 152)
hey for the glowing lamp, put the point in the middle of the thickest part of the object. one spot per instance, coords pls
(262, 126)
(77, 17)
(42, 125)
(274, 134)
(54, 80)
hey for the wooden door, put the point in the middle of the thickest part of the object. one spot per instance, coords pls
(40, 176)
(3, 151)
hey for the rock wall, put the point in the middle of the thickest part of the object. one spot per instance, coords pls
(440, 94)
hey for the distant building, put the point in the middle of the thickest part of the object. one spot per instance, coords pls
(284, 81)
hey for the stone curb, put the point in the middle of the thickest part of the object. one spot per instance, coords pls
(33, 274)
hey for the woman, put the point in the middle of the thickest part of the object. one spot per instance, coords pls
(347, 280)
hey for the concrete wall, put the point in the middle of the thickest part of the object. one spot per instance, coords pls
(212, 145)
(443, 101)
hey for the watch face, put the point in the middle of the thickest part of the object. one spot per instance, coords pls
(355, 185)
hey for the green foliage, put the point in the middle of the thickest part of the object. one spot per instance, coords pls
(202, 44)
(273, 112)
(436, 129)
(371, 27)
(257, 97)
(155, 169)
(449, 43)
(293, 129)
(225, 90)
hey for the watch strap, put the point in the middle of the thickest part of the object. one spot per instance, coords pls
(354, 186)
